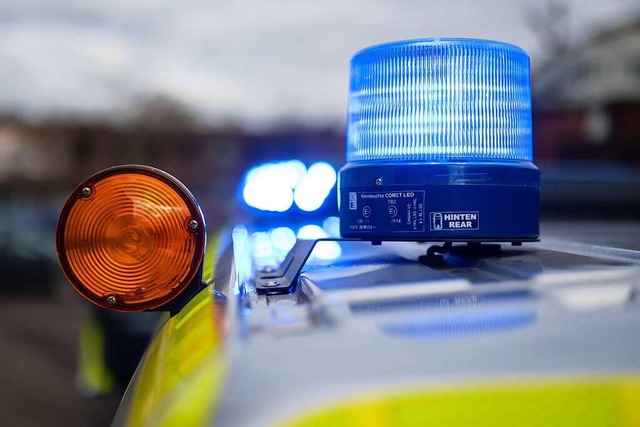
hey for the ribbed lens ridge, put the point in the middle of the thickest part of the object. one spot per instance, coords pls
(440, 99)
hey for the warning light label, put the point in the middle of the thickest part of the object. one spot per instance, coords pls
(393, 211)
(353, 201)
(451, 221)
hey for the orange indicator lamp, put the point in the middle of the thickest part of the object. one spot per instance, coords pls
(131, 238)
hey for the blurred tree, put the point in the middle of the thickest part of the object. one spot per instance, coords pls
(549, 21)
(161, 113)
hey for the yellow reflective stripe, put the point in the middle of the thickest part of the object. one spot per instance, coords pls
(195, 404)
(184, 360)
(570, 402)
(629, 398)
(92, 371)
(209, 261)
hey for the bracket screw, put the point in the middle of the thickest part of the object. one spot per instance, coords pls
(378, 181)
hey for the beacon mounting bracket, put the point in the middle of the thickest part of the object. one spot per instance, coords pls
(284, 279)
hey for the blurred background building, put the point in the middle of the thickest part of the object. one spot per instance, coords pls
(588, 99)
(587, 124)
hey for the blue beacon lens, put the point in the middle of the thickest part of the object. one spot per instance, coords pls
(439, 143)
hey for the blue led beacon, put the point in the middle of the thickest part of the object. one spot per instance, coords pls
(439, 143)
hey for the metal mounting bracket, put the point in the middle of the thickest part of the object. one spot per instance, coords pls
(284, 279)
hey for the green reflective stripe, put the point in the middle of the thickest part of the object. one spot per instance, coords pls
(93, 373)
(568, 402)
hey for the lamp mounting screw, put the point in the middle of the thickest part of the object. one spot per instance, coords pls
(86, 191)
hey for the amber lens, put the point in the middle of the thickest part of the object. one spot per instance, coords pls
(130, 238)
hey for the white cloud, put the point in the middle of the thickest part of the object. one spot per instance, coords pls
(251, 60)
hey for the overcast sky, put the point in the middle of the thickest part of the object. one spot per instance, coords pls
(255, 62)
